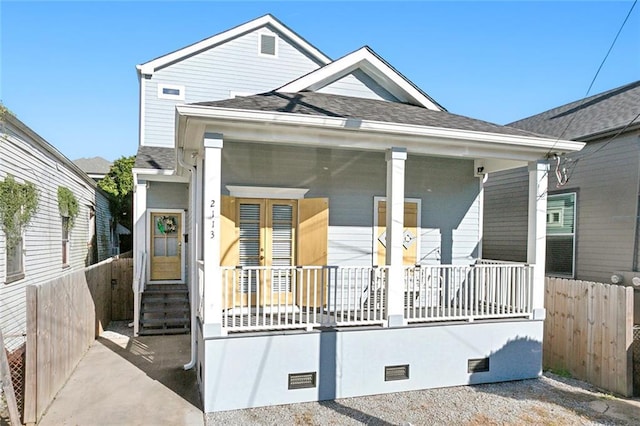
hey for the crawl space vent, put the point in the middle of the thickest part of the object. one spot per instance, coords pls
(302, 380)
(478, 365)
(396, 372)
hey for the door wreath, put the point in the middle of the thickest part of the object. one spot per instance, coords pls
(167, 224)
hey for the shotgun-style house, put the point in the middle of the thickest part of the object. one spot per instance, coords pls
(593, 231)
(35, 178)
(326, 218)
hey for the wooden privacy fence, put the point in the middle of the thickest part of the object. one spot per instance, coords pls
(589, 332)
(63, 317)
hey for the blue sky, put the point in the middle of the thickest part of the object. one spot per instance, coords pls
(67, 69)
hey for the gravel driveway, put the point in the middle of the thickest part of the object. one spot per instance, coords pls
(550, 400)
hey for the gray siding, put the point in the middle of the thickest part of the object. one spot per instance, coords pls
(447, 189)
(606, 184)
(26, 160)
(360, 85)
(212, 74)
(166, 195)
(103, 227)
(607, 207)
(506, 204)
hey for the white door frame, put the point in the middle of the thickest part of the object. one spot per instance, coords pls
(148, 246)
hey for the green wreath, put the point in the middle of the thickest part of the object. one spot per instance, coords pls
(167, 224)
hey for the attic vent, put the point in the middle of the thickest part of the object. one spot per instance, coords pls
(396, 372)
(302, 380)
(478, 365)
(267, 44)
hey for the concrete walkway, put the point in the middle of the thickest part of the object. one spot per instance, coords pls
(130, 381)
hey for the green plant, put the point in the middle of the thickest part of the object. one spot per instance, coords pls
(562, 372)
(18, 203)
(68, 205)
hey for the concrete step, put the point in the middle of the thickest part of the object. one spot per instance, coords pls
(149, 322)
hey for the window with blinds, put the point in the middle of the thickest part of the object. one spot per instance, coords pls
(561, 220)
(281, 245)
(249, 224)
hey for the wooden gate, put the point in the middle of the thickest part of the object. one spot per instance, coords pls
(121, 290)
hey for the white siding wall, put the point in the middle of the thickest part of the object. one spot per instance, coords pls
(358, 84)
(211, 75)
(27, 161)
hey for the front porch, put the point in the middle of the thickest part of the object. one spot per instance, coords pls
(309, 297)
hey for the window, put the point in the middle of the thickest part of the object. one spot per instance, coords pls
(15, 264)
(170, 91)
(65, 241)
(268, 45)
(561, 219)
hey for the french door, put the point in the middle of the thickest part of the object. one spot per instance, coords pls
(266, 238)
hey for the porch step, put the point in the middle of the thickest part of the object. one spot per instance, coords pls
(165, 309)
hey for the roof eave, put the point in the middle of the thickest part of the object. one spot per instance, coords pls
(266, 126)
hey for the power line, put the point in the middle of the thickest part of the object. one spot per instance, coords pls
(595, 76)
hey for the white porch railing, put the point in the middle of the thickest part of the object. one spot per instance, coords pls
(271, 298)
(267, 298)
(450, 292)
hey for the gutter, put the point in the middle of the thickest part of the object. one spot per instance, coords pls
(192, 257)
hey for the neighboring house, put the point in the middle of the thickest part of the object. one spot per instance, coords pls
(46, 248)
(593, 231)
(328, 227)
(96, 167)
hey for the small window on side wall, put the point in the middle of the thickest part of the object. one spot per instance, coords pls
(561, 233)
(15, 262)
(268, 45)
(171, 91)
(65, 241)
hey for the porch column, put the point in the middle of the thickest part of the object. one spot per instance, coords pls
(395, 158)
(210, 232)
(139, 245)
(538, 178)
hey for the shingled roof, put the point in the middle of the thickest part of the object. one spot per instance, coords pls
(589, 117)
(152, 157)
(330, 105)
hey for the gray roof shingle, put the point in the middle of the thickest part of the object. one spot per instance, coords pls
(329, 105)
(96, 165)
(153, 157)
(588, 117)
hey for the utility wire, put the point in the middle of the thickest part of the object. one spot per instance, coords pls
(594, 77)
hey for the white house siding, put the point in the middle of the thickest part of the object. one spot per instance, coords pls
(212, 74)
(360, 85)
(27, 160)
(350, 179)
(506, 201)
(606, 183)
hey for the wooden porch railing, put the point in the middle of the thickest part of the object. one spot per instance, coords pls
(271, 298)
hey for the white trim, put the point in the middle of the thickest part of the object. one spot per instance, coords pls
(179, 88)
(143, 108)
(370, 64)
(376, 201)
(266, 192)
(264, 33)
(365, 134)
(148, 246)
(151, 66)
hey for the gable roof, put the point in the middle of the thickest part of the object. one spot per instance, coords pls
(330, 105)
(366, 60)
(588, 118)
(150, 67)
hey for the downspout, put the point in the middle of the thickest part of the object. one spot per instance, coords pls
(192, 256)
